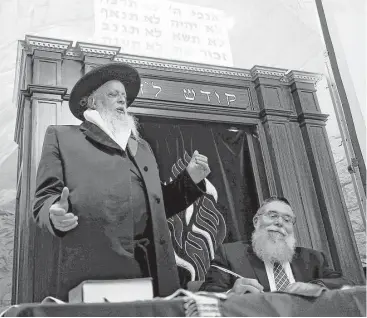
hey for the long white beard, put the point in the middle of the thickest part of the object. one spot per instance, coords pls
(120, 124)
(269, 250)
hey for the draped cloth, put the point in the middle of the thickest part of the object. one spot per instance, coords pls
(197, 231)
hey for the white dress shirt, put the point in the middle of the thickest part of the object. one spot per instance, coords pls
(269, 271)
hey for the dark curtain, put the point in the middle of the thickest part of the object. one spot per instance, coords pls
(224, 215)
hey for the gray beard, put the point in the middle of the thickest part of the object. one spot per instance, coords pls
(280, 250)
(120, 123)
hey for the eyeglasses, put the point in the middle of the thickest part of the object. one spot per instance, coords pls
(273, 215)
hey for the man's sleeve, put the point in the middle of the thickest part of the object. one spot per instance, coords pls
(181, 193)
(217, 280)
(49, 182)
(328, 277)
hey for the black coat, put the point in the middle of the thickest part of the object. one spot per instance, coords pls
(89, 163)
(307, 265)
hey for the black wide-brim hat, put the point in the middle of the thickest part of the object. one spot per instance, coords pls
(122, 72)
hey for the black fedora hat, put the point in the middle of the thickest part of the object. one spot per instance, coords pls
(122, 72)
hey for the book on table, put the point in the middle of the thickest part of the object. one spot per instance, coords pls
(121, 290)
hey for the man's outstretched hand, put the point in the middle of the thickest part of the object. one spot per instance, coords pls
(198, 167)
(61, 219)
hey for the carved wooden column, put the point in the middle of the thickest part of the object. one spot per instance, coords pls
(39, 108)
(329, 194)
(39, 105)
(287, 155)
(22, 255)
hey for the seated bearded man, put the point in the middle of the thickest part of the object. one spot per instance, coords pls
(271, 262)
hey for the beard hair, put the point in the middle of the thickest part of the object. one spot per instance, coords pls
(269, 250)
(120, 123)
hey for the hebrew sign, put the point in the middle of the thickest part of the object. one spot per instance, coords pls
(195, 93)
(164, 29)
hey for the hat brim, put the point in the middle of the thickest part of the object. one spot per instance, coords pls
(122, 72)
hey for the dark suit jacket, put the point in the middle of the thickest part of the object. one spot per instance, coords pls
(308, 265)
(90, 164)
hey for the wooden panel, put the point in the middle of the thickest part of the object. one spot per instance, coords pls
(337, 224)
(308, 101)
(28, 73)
(271, 97)
(308, 196)
(44, 114)
(305, 100)
(71, 72)
(47, 246)
(46, 72)
(288, 103)
(16, 271)
(64, 115)
(46, 67)
(284, 163)
(196, 93)
(24, 270)
(263, 148)
(258, 165)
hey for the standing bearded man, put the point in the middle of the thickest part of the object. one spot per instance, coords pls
(272, 262)
(98, 189)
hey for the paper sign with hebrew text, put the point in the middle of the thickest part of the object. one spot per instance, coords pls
(164, 29)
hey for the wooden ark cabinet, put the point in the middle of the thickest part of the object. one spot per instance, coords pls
(280, 106)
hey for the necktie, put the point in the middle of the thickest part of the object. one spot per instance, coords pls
(280, 277)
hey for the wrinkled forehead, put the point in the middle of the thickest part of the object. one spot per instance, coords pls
(277, 206)
(111, 85)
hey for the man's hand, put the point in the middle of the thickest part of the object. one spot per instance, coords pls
(198, 167)
(60, 218)
(246, 285)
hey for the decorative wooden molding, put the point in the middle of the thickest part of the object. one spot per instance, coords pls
(304, 77)
(49, 44)
(283, 113)
(167, 65)
(268, 72)
(285, 76)
(74, 53)
(112, 52)
(97, 50)
(31, 89)
(189, 111)
(293, 118)
(312, 118)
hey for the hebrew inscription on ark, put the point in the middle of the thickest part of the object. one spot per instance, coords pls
(195, 93)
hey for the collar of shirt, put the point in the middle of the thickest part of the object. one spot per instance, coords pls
(270, 274)
(94, 117)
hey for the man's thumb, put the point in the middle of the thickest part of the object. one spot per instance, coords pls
(64, 195)
(195, 152)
